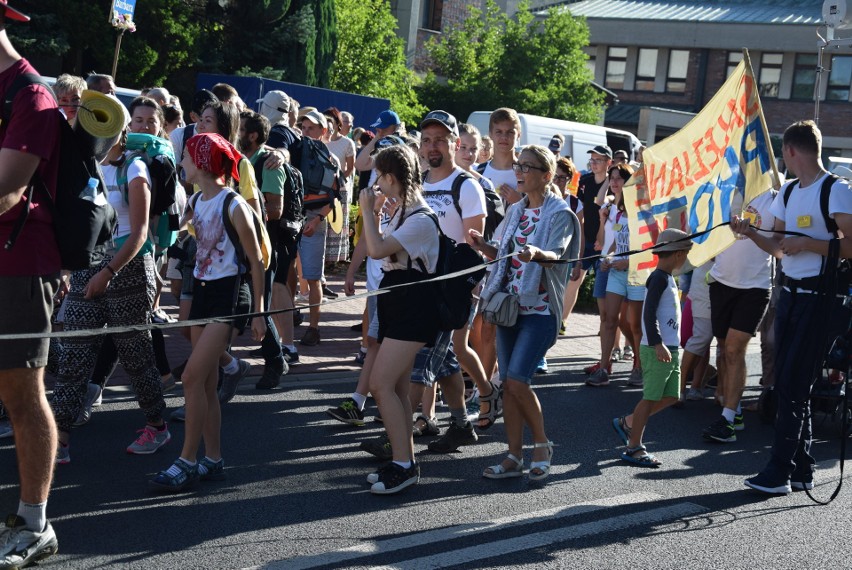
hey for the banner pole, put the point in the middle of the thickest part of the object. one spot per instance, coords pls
(776, 179)
(115, 56)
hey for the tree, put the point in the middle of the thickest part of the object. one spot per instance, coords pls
(495, 61)
(371, 57)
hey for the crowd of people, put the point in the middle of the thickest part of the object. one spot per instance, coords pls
(244, 248)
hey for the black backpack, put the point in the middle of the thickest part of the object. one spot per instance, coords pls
(293, 209)
(454, 296)
(83, 227)
(495, 210)
(321, 178)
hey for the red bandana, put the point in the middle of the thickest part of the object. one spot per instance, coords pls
(208, 152)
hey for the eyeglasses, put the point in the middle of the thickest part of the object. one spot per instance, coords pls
(561, 177)
(518, 167)
(597, 160)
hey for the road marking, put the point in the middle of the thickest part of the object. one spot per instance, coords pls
(493, 527)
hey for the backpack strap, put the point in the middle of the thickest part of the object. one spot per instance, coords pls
(480, 168)
(121, 174)
(21, 81)
(789, 190)
(431, 215)
(824, 197)
(230, 230)
(188, 132)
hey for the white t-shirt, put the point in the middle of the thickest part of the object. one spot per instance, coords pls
(374, 266)
(438, 195)
(699, 291)
(116, 197)
(803, 214)
(744, 265)
(419, 238)
(500, 177)
(343, 148)
(616, 231)
(216, 256)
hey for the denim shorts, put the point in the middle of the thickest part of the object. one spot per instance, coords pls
(437, 361)
(617, 283)
(312, 253)
(521, 347)
(601, 279)
(590, 250)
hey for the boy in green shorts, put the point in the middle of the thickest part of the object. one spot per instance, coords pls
(659, 350)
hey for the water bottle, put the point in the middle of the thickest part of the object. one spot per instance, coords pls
(90, 192)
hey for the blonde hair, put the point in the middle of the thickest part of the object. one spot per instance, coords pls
(546, 160)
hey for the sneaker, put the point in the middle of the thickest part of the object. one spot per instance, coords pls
(616, 354)
(21, 547)
(762, 483)
(380, 447)
(93, 394)
(150, 440)
(694, 395)
(374, 476)
(562, 328)
(179, 477)
(231, 381)
(63, 454)
(272, 374)
(393, 479)
(347, 412)
(6, 429)
(158, 315)
(311, 337)
(542, 366)
(211, 470)
(599, 378)
(454, 438)
(168, 384)
(721, 430)
(360, 357)
(628, 353)
(592, 369)
(739, 422)
(326, 292)
(291, 356)
(635, 378)
(179, 415)
(801, 482)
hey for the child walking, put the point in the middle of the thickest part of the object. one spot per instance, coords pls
(659, 350)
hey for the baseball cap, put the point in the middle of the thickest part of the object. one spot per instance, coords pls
(386, 142)
(316, 117)
(13, 14)
(442, 118)
(386, 119)
(621, 153)
(601, 149)
(200, 99)
(276, 100)
(672, 240)
(555, 144)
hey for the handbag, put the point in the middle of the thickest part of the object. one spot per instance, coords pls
(501, 309)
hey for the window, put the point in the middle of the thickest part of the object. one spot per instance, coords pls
(678, 66)
(839, 78)
(770, 74)
(616, 63)
(804, 76)
(432, 13)
(734, 58)
(646, 69)
(592, 61)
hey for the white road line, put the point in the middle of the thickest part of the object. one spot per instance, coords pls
(465, 530)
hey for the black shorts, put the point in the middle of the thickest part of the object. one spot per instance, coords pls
(407, 313)
(26, 304)
(221, 298)
(738, 309)
(286, 250)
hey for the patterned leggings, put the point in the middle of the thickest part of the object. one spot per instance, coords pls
(127, 301)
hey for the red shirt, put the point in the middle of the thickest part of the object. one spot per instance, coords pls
(33, 128)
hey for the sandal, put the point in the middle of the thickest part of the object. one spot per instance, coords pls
(500, 472)
(495, 407)
(425, 426)
(620, 427)
(644, 459)
(543, 466)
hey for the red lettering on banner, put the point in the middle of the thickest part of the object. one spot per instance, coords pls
(703, 170)
(748, 83)
(656, 180)
(676, 177)
(714, 149)
(737, 119)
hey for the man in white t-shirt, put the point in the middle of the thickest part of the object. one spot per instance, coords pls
(810, 311)
(458, 213)
(740, 286)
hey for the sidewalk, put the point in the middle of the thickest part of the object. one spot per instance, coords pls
(334, 356)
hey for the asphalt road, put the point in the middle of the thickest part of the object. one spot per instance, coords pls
(296, 495)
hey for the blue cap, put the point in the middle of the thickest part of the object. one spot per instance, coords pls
(386, 119)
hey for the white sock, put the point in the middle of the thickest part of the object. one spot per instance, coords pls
(363, 350)
(202, 469)
(232, 367)
(174, 470)
(360, 400)
(404, 464)
(729, 414)
(35, 515)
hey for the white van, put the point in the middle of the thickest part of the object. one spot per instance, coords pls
(579, 137)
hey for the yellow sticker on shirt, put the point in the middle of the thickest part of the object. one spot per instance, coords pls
(750, 216)
(617, 227)
(803, 221)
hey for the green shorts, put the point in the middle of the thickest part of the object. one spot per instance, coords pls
(661, 379)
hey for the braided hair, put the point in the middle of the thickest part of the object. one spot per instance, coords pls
(401, 161)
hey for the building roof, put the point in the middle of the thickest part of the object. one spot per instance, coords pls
(799, 12)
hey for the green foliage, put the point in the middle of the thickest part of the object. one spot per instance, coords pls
(371, 57)
(493, 61)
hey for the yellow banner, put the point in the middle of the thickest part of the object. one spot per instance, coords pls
(689, 180)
